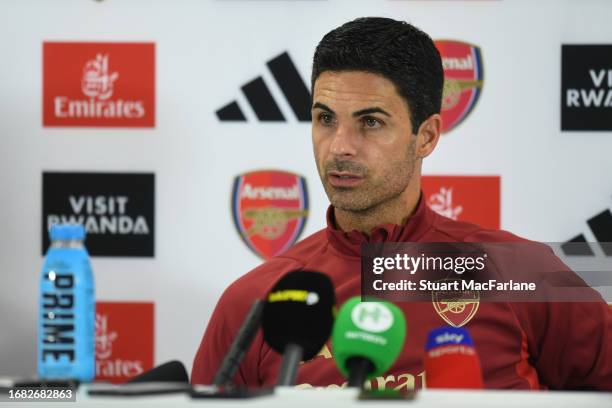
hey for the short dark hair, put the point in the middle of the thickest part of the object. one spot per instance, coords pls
(394, 49)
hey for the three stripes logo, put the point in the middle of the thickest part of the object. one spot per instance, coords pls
(261, 100)
(601, 227)
(584, 258)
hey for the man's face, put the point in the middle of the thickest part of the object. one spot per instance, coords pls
(362, 139)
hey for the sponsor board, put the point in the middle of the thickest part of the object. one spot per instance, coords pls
(117, 210)
(586, 87)
(261, 101)
(125, 345)
(474, 199)
(98, 84)
(600, 226)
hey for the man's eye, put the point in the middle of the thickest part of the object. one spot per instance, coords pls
(371, 123)
(326, 118)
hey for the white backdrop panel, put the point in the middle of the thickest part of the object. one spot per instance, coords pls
(205, 50)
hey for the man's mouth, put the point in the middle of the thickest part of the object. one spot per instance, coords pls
(344, 179)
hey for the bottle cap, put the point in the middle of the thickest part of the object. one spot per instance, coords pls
(67, 232)
(76, 232)
(58, 232)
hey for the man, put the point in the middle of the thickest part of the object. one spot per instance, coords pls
(377, 87)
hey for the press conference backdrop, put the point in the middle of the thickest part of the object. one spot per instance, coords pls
(173, 129)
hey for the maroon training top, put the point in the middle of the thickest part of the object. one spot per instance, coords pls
(524, 345)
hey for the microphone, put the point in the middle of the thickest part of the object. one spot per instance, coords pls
(241, 344)
(297, 319)
(367, 339)
(451, 360)
(172, 371)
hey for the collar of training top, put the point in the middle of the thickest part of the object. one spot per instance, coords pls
(349, 243)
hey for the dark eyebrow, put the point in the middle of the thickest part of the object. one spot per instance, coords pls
(367, 111)
(361, 112)
(322, 106)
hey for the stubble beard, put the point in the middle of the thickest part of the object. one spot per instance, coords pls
(374, 193)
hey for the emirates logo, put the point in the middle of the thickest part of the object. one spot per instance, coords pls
(104, 338)
(442, 203)
(97, 82)
(124, 340)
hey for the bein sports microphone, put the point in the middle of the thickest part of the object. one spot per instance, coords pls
(241, 344)
(451, 360)
(297, 319)
(367, 339)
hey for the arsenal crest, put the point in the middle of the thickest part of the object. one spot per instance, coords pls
(269, 209)
(463, 81)
(458, 307)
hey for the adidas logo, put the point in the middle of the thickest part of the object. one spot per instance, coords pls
(592, 264)
(601, 227)
(262, 102)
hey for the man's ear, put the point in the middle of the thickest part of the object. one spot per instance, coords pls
(428, 136)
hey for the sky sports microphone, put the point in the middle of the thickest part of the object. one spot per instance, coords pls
(367, 338)
(240, 345)
(451, 360)
(297, 319)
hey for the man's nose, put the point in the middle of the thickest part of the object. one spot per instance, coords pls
(344, 142)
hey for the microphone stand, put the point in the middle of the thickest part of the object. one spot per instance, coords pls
(291, 360)
(358, 368)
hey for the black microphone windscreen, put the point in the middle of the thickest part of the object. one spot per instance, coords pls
(172, 371)
(299, 310)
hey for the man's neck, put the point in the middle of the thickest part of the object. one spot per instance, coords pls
(397, 213)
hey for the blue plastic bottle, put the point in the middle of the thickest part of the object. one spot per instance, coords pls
(66, 337)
